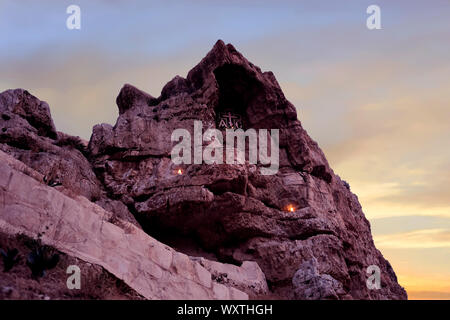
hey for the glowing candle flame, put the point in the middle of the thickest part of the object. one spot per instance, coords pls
(291, 208)
(180, 171)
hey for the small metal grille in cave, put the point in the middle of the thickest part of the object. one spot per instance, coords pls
(228, 119)
(237, 90)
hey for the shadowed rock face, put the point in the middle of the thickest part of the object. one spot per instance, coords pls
(319, 250)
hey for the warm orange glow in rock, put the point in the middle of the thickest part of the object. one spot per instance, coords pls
(179, 172)
(290, 208)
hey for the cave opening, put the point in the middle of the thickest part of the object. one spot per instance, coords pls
(237, 92)
(187, 240)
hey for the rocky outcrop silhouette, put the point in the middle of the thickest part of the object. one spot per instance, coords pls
(302, 228)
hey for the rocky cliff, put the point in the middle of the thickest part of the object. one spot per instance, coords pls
(302, 226)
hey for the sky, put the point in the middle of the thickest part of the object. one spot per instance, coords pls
(376, 101)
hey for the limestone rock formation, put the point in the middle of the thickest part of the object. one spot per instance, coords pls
(302, 228)
(81, 229)
(248, 278)
(28, 133)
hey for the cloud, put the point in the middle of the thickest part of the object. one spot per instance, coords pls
(428, 295)
(81, 86)
(403, 224)
(421, 270)
(381, 119)
(428, 238)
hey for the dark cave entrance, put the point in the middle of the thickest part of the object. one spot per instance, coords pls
(237, 92)
(187, 240)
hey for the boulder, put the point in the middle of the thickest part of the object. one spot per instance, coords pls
(248, 277)
(19, 104)
(310, 285)
(27, 133)
(131, 96)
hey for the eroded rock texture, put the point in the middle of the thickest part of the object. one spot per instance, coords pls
(81, 229)
(230, 213)
(27, 132)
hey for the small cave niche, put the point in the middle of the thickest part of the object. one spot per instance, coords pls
(237, 92)
(176, 236)
(188, 244)
(196, 241)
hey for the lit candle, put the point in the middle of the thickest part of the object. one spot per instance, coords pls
(180, 171)
(291, 208)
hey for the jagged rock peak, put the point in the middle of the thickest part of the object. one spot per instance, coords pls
(302, 216)
(20, 103)
(131, 96)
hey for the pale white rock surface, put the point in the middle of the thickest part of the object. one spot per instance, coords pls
(80, 228)
(248, 277)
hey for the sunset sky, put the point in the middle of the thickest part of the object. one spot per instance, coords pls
(376, 101)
